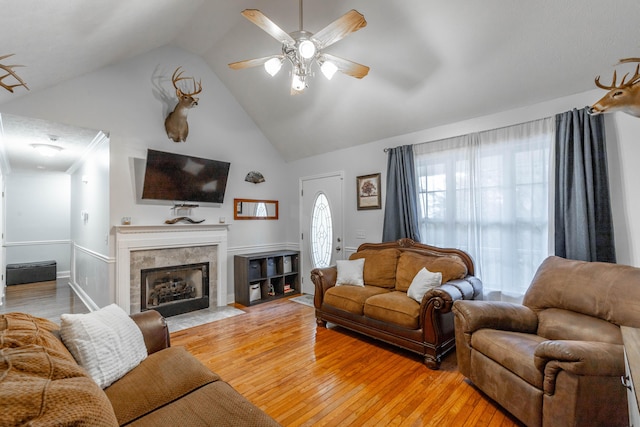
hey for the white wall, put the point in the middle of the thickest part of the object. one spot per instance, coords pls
(90, 227)
(130, 100)
(622, 148)
(37, 218)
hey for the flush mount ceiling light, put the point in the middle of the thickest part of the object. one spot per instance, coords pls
(302, 48)
(48, 150)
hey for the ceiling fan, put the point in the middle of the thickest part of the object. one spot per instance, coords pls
(303, 48)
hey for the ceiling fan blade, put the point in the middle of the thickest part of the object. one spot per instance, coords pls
(261, 20)
(348, 23)
(350, 68)
(252, 62)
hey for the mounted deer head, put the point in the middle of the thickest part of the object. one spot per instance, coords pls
(10, 72)
(176, 122)
(625, 97)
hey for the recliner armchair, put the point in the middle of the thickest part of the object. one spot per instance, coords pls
(557, 359)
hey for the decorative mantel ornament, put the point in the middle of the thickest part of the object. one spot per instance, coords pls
(625, 97)
(176, 122)
(11, 73)
(255, 177)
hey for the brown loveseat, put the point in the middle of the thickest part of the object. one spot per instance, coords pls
(42, 385)
(557, 359)
(381, 309)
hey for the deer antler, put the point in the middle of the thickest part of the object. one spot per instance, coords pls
(633, 80)
(10, 72)
(177, 76)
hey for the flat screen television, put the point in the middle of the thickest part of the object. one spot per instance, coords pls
(180, 178)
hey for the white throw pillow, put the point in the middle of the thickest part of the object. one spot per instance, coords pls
(350, 272)
(106, 342)
(422, 282)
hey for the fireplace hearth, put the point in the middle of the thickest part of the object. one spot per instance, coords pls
(175, 290)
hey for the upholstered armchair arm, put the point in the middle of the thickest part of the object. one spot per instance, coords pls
(586, 358)
(154, 330)
(474, 315)
(323, 279)
(471, 316)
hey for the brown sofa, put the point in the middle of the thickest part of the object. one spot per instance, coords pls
(381, 308)
(42, 385)
(557, 359)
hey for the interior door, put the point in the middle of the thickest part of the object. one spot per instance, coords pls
(321, 217)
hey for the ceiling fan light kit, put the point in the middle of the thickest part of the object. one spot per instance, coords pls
(302, 48)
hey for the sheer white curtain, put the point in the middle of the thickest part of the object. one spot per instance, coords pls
(488, 194)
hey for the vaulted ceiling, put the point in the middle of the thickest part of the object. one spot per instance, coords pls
(432, 62)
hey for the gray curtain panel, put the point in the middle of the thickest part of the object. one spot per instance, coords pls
(583, 224)
(400, 209)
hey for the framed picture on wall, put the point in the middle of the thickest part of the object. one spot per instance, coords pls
(369, 192)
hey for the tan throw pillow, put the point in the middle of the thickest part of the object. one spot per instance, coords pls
(410, 263)
(379, 267)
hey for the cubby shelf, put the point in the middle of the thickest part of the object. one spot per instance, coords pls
(266, 276)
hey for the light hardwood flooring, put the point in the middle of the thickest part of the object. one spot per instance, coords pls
(301, 375)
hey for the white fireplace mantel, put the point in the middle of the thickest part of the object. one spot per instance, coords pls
(145, 237)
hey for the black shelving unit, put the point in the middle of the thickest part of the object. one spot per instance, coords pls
(266, 276)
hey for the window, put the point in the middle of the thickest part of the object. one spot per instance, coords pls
(321, 232)
(488, 194)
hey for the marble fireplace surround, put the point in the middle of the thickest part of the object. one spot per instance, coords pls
(148, 238)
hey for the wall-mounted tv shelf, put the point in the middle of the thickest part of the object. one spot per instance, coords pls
(266, 276)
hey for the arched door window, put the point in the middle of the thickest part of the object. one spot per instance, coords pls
(321, 232)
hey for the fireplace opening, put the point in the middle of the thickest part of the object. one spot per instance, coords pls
(176, 289)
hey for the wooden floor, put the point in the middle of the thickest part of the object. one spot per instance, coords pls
(306, 376)
(43, 299)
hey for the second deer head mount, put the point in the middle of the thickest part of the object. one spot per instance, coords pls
(624, 97)
(176, 122)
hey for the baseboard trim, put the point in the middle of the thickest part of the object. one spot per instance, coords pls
(86, 299)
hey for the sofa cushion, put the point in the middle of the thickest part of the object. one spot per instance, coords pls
(410, 263)
(41, 383)
(163, 377)
(350, 272)
(230, 408)
(394, 307)
(106, 342)
(351, 298)
(559, 324)
(379, 266)
(513, 350)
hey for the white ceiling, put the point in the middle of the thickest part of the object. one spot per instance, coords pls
(432, 62)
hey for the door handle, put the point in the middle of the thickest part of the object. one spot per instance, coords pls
(338, 248)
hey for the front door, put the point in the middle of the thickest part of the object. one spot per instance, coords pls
(321, 216)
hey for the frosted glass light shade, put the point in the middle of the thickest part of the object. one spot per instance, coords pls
(297, 83)
(272, 66)
(307, 49)
(328, 69)
(47, 150)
